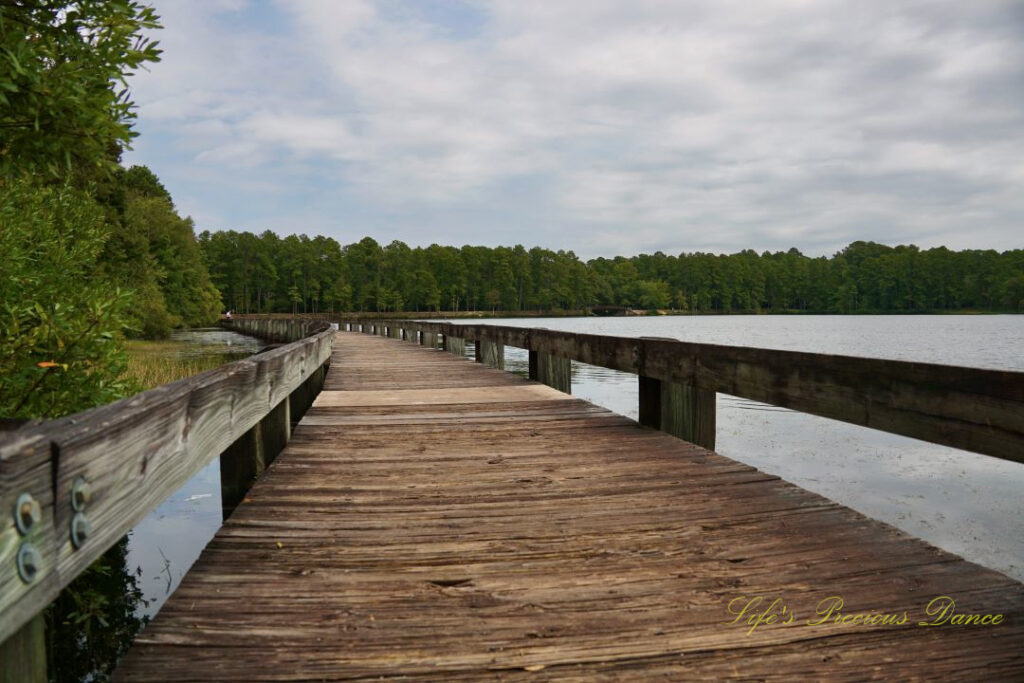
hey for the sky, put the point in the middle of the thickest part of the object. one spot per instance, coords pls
(604, 127)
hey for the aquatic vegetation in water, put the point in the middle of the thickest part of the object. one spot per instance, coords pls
(152, 363)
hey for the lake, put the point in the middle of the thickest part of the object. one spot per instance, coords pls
(966, 503)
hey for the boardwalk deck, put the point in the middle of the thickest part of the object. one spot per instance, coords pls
(435, 519)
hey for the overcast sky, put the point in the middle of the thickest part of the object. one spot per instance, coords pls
(605, 127)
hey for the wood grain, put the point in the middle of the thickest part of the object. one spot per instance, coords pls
(544, 538)
(25, 467)
(973, 409)
(134, 453)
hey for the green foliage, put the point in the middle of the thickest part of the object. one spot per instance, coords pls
(66, 245)
(60, 323)
(152, 252)
(64, 102)
(189, 296)
(653, 294)
(139, 181)
(127, 261)
(265, 273)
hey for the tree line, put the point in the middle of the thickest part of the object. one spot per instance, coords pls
(266, 273)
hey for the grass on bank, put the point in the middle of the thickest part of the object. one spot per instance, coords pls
(152, 363)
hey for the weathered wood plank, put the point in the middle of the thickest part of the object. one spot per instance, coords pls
(974, 409)
(25, 469)
(454, 345)
(542, 539)
(241, 465)
(275, 430)
(688, 413)
(490, 354)
(554, 371)
(132, 454)
(23, 655)
(408, 397)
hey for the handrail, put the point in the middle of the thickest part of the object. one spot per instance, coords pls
(974, 409)
(85, 480)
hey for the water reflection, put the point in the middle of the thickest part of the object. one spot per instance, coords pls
(94, 620)
(165, 544)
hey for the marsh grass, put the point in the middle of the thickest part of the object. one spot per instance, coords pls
(152, 363)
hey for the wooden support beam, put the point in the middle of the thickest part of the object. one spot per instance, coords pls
(649, 402)
(490, 353)
(304, 395)
(455, 345)
(23, 655)
(428, 339)
(298, 401)
(555, 371)
(276, 430)
(240, 465)
(681, 410)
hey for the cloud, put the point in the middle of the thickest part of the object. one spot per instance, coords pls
(600, 126)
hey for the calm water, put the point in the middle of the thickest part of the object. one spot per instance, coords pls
(165, 544)
(963, 502)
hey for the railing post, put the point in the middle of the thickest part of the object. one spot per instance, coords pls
(554, 371)
(240, 465)
(302, 398)
(246, 459)
(681, 410)
(490, 353)
(649, 402)
(23, 655)
(276, 430)
(455, 345)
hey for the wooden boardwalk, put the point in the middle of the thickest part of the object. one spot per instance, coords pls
(435, 519)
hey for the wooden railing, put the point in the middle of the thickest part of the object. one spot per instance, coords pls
(969, 408)
(71, 488)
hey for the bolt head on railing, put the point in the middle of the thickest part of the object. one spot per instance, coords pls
(29, 562)
(27, 513)
(81, 494)
(80, 530)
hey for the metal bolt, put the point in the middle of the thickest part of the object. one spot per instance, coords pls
(29, 562)
(80, 530)
(27, 513)
(81, 494)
